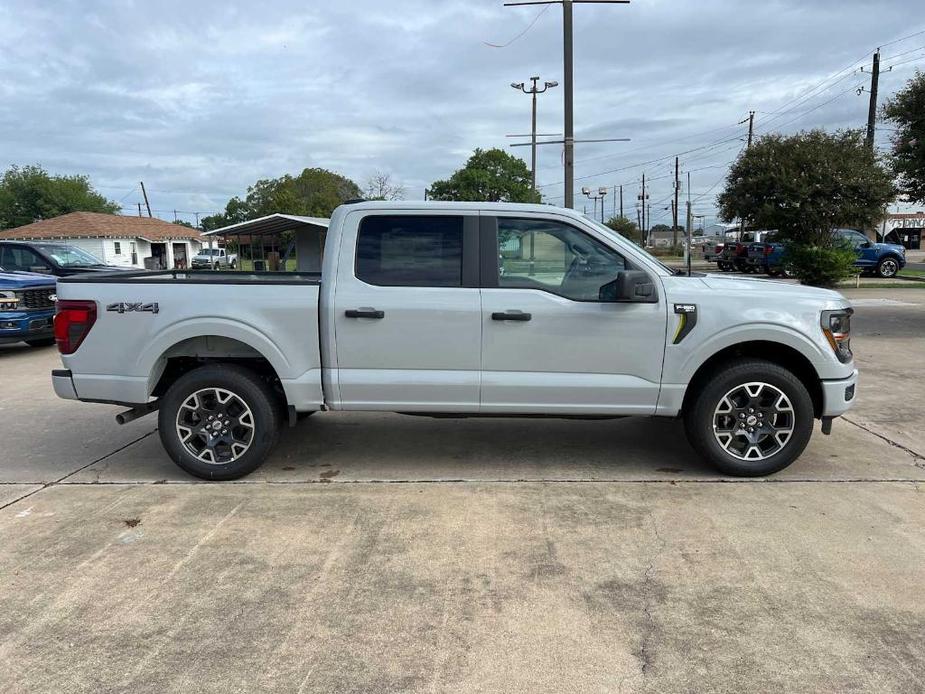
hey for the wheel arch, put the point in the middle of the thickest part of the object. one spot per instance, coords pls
(193, 352)
(778, 353)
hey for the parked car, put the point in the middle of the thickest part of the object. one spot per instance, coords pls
(460, 309)
(27, 307)
(213, 259)
(50, 258)
(734, 255)
(882, 259)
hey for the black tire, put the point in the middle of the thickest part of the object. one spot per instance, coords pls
(41, 342)
(888, 267)
(703, 409)
(250, 390)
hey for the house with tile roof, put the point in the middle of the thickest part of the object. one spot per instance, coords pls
(123, 241)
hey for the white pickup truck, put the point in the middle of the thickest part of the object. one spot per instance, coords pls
(468, 309)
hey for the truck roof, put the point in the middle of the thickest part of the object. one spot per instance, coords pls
(448, 205)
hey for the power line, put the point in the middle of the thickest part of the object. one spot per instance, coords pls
(904, 38)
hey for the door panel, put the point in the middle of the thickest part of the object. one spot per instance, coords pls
(575, 354)
(408, 346)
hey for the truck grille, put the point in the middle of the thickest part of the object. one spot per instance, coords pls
(36, 299)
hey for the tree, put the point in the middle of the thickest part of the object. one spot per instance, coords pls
(379, 186)
(184, 223)
(29, 193)
(804, 186)
(626, 229)
(907, 111)
(490, 175)
(313, 193)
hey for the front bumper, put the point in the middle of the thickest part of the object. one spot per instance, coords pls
(16, 326)
(838, 396)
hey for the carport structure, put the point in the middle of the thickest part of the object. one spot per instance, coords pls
(277, 242)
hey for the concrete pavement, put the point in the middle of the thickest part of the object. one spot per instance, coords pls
(388, 553)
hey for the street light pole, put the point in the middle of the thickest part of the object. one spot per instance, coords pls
(568, 82)
(534, 90)
(601, 194)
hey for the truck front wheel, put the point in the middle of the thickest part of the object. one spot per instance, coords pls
(219, 422)
(750, 419)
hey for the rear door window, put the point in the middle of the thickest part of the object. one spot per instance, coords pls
(410, 251)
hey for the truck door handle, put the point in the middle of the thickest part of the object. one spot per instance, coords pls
(512, 315)
(364, 313)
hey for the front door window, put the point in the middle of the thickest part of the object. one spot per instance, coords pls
(555, 257)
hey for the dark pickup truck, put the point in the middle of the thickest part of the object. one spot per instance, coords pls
(882, 259)
(27, 308)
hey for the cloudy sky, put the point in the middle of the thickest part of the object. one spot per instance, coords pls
(199, 99)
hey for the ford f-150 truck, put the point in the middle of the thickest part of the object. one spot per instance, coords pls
(27, 306)
(459, 309)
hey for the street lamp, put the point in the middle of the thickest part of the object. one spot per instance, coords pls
(601, 194)
(533, 91)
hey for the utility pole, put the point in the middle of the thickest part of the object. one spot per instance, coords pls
(621, 199)
(568, 83)
(690, 232)
(674, 209)
(147, 204)
(533, 91)
(197, 219)
(139, 209)
(872, 111)
(751, 132)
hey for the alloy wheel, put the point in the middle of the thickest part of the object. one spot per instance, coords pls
(753, 421)
(215, 425)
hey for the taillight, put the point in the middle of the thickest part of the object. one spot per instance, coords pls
(768, 250)
(73, 320)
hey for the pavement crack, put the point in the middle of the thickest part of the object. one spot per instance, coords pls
(917, 458)
(62, 479)
(646, 655)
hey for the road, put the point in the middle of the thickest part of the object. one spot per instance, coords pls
(377, 552)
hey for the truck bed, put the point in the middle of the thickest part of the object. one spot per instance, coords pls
(146, 318)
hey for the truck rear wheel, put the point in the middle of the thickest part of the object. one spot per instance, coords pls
(751, 419)
(219, 422)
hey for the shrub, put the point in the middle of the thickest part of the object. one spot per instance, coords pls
(820, 266)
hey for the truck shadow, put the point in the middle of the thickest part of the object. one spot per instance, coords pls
(340, 446)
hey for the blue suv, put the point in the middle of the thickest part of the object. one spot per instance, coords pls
(27, 308)
(882, 259)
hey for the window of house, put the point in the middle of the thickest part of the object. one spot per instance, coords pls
(118, 247)
(554, 257)
(410, 251)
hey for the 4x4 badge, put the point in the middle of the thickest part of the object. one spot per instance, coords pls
(126, 307)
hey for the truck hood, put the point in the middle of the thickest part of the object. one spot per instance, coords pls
(25, 280)
(783, 290)
(894, 247)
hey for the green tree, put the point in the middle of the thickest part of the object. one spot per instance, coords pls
(490, 175)
(804, 186)
(626, 229)
(907, 111)
(29, 193)
(313, 193)
(183, 223)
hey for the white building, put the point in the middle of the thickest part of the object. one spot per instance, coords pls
(117, 240)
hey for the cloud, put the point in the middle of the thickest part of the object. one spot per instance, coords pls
(200, 99)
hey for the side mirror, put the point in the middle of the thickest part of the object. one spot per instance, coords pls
(42, 269)
(866, 244)
(630, 286)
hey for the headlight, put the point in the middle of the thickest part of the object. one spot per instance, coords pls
(8, 300)
(836, 326)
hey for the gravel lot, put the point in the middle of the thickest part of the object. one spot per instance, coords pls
(389, 553)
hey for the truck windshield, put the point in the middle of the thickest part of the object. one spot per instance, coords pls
(210, 251)
(71, 256)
